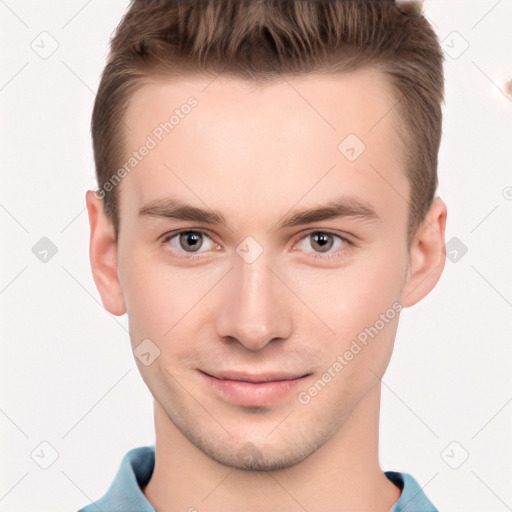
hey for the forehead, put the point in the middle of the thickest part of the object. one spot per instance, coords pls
(361, 98)
(219, 138)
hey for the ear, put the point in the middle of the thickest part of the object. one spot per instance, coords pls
(427, 255)
(103, 256)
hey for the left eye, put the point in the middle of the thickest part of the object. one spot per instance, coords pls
(323, 241)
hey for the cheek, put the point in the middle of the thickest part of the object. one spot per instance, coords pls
(348, 299)
(161, 299)
(153, 297)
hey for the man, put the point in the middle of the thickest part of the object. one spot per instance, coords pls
(293, 145)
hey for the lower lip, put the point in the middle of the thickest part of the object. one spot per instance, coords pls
(255, 394)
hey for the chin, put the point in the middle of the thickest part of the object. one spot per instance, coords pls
(263, 455)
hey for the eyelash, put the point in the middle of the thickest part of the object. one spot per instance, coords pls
(340, 252)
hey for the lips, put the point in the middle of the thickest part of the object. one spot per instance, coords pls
(252, 390)
(255, 378)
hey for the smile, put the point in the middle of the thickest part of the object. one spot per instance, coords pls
(252, 390)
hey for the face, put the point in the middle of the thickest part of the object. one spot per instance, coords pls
(269, 326)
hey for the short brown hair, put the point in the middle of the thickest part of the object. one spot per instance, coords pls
(264, 40)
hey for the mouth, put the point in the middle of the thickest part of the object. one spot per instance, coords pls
(252, 390)
(255, 378)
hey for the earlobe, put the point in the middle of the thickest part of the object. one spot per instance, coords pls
(103, 256)
(427, 255)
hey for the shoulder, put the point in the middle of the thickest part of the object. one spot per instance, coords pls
(125, 492)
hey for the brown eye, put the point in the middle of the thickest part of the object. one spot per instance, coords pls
(190, 241)
(324, 243)
(321, 241)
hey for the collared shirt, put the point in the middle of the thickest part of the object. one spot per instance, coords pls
(125, 494)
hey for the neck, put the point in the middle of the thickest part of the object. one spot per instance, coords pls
(343, 474)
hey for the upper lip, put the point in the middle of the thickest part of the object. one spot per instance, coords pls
(253, 377)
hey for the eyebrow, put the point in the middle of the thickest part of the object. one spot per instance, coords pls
(336, 208)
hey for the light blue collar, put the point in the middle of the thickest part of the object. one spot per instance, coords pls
(125, 494)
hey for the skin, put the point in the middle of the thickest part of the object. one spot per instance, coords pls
(257, 155)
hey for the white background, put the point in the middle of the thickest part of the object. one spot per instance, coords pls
(68, 376)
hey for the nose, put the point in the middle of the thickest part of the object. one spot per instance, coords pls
(256, 307)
